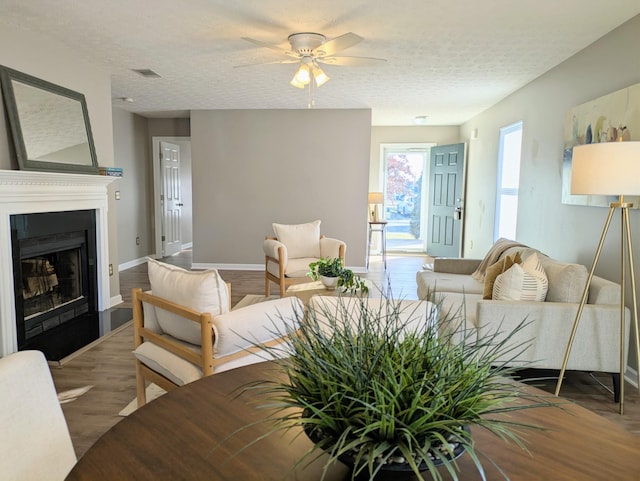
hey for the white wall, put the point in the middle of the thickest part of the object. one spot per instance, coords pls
(404, 135)
(255, 167)
(42, 57)
(568, 232)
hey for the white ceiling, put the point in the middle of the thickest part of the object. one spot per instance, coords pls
(449, 60)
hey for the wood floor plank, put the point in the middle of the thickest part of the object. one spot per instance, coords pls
(109, 365)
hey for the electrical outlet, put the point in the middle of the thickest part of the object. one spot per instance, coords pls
(137, 241)
(110, 269)
(117, 195)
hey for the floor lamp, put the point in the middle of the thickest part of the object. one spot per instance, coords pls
(609, 168)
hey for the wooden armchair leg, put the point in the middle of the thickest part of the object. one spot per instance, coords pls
(141, 393)
(267, 287)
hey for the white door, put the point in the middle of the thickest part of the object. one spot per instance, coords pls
(170, 198)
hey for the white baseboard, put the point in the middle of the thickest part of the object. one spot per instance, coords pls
(231, 267)
(115, 300)
(128, 265)
(188, 245)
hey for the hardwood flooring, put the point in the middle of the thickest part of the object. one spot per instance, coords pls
(109, 367)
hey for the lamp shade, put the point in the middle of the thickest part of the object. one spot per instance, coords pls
(607, 168)
(376, 198)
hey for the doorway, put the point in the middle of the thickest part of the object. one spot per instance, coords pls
(405, 171)
(184, 234)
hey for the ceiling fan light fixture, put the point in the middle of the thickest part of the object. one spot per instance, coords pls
(319, 76)
(302, 76)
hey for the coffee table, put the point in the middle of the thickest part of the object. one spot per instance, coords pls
(306, 290)
(172, 438)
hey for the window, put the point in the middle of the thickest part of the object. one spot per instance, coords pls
(509, 155)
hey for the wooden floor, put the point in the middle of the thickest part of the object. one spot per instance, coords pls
(109, 367)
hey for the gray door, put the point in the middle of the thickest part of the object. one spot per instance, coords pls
(446, 200)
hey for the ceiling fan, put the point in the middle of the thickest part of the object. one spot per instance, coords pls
(310, 49)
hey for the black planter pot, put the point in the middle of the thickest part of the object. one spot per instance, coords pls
(391, 471)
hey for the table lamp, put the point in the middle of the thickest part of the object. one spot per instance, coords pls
(609, 168)
(375, 199)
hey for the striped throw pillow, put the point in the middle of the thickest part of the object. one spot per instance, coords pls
(526, 282)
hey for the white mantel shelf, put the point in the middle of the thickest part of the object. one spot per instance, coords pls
(26, 192)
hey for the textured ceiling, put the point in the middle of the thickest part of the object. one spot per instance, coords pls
(446, 60)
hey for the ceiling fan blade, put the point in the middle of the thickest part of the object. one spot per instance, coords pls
(260, 43)
(337, 44)
(346, 61)
(266, 63)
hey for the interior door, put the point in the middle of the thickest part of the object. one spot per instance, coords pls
(170, 198)
(446, 200)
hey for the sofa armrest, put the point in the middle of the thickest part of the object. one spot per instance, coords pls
(239, 330)
(603, 291)
(455, 265)
(271, 249)
(548, 328)
(332, 248)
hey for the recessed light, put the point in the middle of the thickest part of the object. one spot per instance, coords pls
(420, 119)
(146, 72)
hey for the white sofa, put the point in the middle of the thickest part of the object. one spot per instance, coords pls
(596, 345)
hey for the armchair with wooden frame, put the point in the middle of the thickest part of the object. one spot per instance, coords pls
(175, 344)
(289, 253)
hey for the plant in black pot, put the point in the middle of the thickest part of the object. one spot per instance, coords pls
(333, 274)
(383, 384)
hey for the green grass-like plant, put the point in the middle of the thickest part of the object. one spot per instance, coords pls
(371, 383)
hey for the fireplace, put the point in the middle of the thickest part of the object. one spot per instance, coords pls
(30, 192)
(55, 281)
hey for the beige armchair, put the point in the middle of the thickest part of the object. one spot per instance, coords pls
(184, 330)
(294, 247)
(34, 439)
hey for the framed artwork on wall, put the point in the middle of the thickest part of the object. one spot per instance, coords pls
(609, 118)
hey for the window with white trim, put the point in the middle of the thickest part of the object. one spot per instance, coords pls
(509, 155)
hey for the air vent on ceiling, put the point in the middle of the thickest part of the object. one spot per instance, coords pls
(146, 72)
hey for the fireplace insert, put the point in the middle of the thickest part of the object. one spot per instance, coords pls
(55, 281)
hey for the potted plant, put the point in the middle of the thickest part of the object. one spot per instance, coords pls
(333, 274)
(380, 388)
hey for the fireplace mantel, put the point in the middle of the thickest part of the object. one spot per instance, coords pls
(24, 192)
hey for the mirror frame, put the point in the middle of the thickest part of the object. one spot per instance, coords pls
(8, 75)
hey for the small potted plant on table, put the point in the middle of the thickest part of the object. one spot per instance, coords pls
(332, 273)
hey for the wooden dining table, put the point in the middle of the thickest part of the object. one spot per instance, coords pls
(210, 430)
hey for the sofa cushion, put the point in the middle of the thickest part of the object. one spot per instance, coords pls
(494, 270)
(301, 240)
(526, 282)
(566, 281)
(429, 282)
(202, 291)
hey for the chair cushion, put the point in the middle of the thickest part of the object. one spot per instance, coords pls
(174, 368)
(522, 283)
(301, 240)
(202, 291)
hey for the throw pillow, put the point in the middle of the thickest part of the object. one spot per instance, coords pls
(494, 270)
(526, 282)
(202, 291)
(301, 240)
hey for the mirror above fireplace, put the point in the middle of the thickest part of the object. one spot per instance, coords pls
(49, 125)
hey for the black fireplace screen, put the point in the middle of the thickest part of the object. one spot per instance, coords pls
(55, 280)
(50, 282)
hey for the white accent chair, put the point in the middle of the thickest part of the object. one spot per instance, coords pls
(184, 329)
(294, 247)
(35, 443)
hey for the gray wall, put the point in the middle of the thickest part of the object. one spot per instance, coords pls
(132, 154)
(31, 53)
(567, 232)
(255, 167)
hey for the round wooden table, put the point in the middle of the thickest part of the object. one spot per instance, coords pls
(173, 438)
